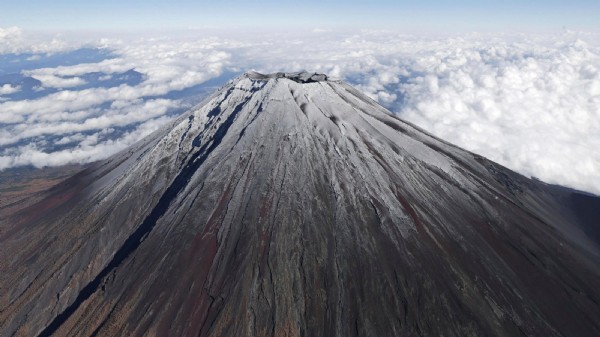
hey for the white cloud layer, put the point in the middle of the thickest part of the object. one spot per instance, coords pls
(536, 111)
(52, 81)
(14, 40)
(10, 38)
(8, 89)
(531, 103)
(79, 119)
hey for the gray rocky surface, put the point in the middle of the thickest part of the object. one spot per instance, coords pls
(293, 205)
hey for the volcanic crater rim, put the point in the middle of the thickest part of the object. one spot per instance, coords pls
(300, 77)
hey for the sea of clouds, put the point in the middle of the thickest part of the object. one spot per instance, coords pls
(529, 102)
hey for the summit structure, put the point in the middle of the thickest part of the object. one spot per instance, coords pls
(294, 205)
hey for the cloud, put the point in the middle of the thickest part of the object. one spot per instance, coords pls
(51, 81)
(87, 150)
(535, 110)
(529, 102)
(8, 89)
(81, 125)
(120, 115)
(10, 39)
(14, 40)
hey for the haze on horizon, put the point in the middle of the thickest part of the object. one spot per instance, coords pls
(416, 16)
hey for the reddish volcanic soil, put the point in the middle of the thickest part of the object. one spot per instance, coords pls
(22, 187)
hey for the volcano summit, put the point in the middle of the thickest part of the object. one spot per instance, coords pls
(293, 205)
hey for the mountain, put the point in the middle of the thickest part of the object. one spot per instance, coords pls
(293, 205)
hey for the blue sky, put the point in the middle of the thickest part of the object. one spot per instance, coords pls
(438, 15)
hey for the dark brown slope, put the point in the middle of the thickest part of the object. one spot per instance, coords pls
(295, 206)
(23, 186)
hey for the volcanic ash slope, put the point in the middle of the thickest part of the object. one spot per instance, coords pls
(293, 205)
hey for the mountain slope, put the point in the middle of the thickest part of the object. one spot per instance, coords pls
(293, 205)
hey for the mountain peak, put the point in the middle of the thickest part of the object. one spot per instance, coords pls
(300, 77)
(281, 207)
